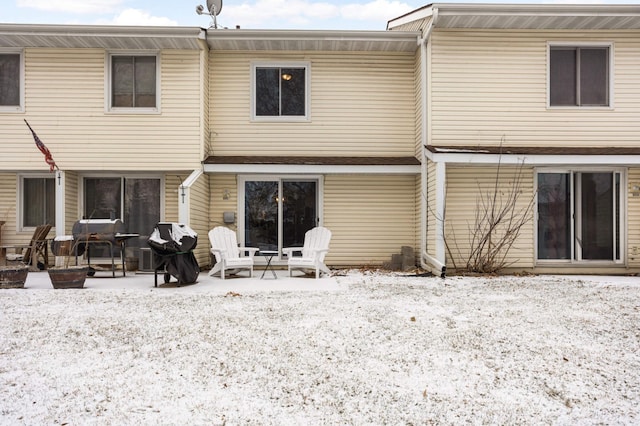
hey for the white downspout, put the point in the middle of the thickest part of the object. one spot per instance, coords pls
(434, 264)
(184, 197)
(60, 180)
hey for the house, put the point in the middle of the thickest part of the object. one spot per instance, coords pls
(120, 109)
(403, 137)
(547, 91)
(315, 128)
(267, 132)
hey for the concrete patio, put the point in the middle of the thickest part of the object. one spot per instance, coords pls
(240, 283)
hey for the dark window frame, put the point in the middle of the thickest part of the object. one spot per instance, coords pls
(47, 206)
(277, 108)
(12, 97)
(141, 96)
(576, 94)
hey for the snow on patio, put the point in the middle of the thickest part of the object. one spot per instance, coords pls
(356, 348)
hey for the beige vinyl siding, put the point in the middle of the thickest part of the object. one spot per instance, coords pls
(370, 217)
(417, 69)
(8, 213)
(205, 98)
(362, 104)
(465, 184)
(431, 208)
(199, 220)
(71, 197)
(171, 196)
(493, 84)
(65, 104)
(218, 184)
(633, 219)
(419, 197)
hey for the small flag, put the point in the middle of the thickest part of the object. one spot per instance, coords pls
(47, 154)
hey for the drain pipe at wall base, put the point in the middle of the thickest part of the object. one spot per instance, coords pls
(434, 264)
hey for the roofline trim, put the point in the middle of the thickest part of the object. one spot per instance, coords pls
(513, 9)
(301, 35)
(533, 159)
(103, 30)
(307, 169)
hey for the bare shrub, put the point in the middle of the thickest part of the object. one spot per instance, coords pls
(499, 218)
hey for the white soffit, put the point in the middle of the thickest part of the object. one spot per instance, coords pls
(528, 16)
(309, 40)
(101, 36)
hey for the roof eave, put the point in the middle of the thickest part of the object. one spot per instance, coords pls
(100, 36)
(239, 39)
(525, 16)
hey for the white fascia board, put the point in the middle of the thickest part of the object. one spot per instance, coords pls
(515, 9)
(310, 169)
(415, 15)
(533, 160)
(103, 30)
(314, 35)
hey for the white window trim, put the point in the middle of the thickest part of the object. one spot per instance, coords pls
(241, 179)
(286, 64)
(612, 73)
(108, 107)
(82, 176)
(624, 213)
(20, 198)
(16, 108)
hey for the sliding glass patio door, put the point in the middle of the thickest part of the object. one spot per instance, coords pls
(579, 216)
(278, 211)
(134, 200)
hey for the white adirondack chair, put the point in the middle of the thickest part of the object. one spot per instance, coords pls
(316, 246)
(229, 257)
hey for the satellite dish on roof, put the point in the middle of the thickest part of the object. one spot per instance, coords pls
(214, 6)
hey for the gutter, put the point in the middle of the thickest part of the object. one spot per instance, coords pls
(313, 35)
(436, 265)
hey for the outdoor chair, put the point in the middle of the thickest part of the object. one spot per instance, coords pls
(37, 251)
(316, 246)
(229, 257)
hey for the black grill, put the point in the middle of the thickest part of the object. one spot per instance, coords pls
(109, 232)
(172, 245)
(97, 230)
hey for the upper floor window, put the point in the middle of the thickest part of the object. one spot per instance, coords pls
(579, 76)
(11, 81)
(280, 91)
(38, 201)
(133, 82)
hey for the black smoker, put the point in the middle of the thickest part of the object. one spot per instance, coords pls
(172, 245)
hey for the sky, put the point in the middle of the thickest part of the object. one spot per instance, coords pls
(248, 14)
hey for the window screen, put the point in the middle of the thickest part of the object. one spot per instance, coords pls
(579, 76)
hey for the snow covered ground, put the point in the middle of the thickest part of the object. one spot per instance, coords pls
(357, 348)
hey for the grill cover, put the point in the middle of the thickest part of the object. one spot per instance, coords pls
(172, 245)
